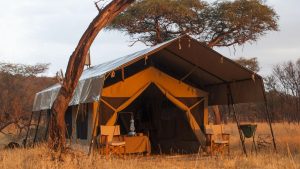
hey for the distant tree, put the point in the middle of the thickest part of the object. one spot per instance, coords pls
(222, 23)
(288, 76)
(18, 85)
(22, 69)
(285, 83)
(271, 83)
(251, 64)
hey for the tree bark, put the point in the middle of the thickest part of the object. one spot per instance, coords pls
(57, 130)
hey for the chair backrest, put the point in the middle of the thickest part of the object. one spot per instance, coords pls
(216, 130)
(110, 131)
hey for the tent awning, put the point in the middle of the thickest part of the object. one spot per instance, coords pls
(183, 58)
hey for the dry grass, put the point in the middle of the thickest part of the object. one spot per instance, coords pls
(287, 157)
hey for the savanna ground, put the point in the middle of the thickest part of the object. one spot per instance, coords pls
(288, 156)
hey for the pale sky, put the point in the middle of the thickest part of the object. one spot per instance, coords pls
(47, 31)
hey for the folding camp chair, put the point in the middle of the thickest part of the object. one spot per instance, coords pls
(111, 141)
(216, 139)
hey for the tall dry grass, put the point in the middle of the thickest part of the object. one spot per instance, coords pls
(288, 156)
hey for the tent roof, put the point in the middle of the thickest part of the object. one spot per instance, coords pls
(193, 62)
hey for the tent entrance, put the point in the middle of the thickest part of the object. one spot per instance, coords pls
(166, 125)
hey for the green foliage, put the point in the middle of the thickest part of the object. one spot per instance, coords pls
(239, 21)
(222, 23)
(155, 21)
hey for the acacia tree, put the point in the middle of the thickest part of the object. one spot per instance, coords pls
(222, 23)
(74, 70)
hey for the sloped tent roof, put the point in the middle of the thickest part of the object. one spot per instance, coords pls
(184, 58)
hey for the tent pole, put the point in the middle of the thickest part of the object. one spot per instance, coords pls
(94, 129)
(37, 128)
(98, 114)
(48, 122)
(237, 121)
(75, 130)
(269, 117)
(70, 136)
(28, 128)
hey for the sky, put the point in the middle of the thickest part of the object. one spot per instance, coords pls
(43, 31)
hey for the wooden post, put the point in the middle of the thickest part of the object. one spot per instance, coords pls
(268, 116)
(237, 121)
(28, 128)
(37, 128)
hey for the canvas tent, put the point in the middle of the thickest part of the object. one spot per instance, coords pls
(180, 75)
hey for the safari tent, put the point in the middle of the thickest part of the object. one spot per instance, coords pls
(167, 87)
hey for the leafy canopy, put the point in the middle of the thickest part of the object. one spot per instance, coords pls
(222, 23)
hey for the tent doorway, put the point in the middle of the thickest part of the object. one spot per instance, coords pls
(166, 125)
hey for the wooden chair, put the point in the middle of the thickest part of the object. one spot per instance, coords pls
(111, 141)
(216, 139)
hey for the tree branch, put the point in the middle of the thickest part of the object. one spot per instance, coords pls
(96, 4)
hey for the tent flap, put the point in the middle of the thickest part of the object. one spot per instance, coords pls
(242, 92)
(193, 123)
(87, 91)
(113, 119)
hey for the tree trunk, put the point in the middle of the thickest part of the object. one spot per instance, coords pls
(74, 70)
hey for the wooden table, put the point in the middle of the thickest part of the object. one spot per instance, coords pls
(137, 144)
